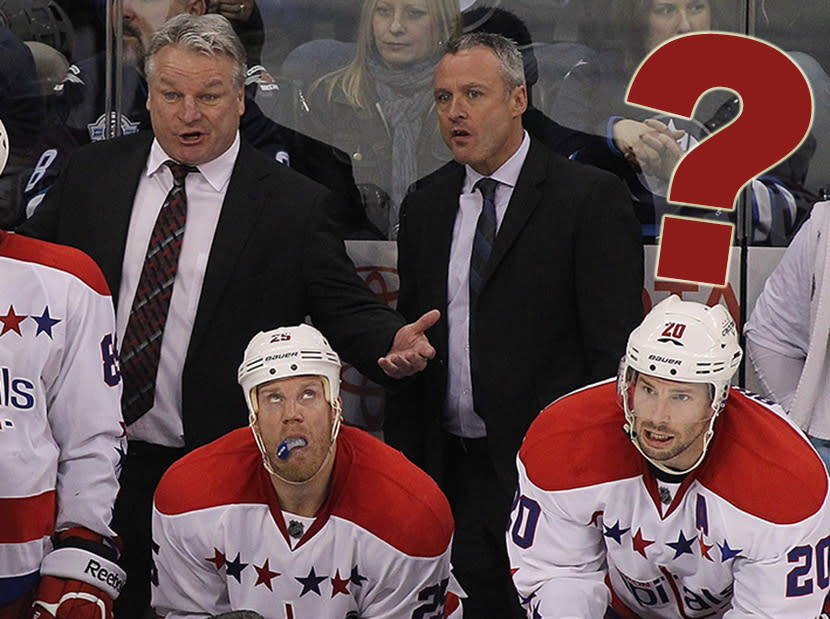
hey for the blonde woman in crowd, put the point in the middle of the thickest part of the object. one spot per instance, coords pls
(379, 109)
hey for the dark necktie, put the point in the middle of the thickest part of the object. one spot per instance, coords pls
(483, 240)
(484, 237)
(142, 339)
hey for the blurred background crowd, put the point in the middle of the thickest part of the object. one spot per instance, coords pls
(341, 90)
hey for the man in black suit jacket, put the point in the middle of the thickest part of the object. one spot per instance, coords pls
(258, 252)
(559, 294)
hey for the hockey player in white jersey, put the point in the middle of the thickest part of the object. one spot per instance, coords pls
(670, 493)
(296, 517)
(61, 437)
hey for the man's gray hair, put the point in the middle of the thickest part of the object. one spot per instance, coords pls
(209, 34)
(510, 58)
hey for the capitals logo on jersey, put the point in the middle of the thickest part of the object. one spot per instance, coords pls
(15, 392)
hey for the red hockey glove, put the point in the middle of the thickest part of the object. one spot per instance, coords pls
(63, 598)
(79, 579)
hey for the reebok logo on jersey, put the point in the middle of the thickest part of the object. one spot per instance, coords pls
(15, 391)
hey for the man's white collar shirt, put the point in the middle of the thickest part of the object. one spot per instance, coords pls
(459, 417)
(162, 424)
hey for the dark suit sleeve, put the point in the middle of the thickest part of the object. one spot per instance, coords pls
(609, 278)
(361, 326)
(404, 418)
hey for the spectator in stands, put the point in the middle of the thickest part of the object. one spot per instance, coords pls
(594, 90)
(592, 99)
(246, 20)
(379, 108)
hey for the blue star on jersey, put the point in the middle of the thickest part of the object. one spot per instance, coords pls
(311, 582)
(356, 578)
(12, 322)
(45, 322)
(235, 567)
(728, 553)
(122, 456)
(614, 532)
(682, 545)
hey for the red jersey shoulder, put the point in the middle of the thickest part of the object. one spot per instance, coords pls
(761, 464)
(60, 257)
(220, 473)
(380, 490)
(578, 441)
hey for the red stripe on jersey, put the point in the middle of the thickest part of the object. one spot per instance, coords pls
(372, 485)
(762, 465)
(579, 441)
(27, 519)
(376, 487)
(756, 461)
(205, 478)
(61, 257)
(451, 605)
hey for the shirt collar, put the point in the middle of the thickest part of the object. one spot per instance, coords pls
(216, 172)
(507, 173)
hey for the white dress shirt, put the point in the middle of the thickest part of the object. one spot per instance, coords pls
(162, 424)
(459, 416)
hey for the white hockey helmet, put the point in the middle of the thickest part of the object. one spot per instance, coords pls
(287, 352)
(686, 342)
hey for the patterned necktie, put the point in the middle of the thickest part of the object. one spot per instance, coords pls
(142, 339)
(484, 236)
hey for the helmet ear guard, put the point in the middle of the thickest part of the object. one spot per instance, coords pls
(685, 342)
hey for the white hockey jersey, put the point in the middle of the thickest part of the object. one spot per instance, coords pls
(747, 533)
(62, 441)
(378, 548)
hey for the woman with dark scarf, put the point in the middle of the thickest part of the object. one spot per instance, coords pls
(378, 108)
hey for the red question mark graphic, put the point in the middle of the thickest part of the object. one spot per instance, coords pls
(775, 117)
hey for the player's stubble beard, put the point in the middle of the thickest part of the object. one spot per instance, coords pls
(682, 441)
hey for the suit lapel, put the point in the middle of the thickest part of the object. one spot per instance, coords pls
(439, 234)
(525, 199)
(240, 213)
